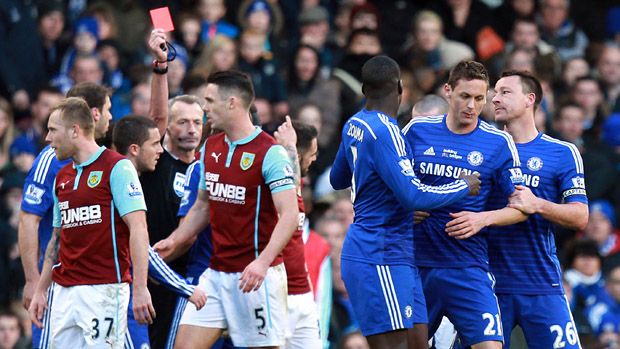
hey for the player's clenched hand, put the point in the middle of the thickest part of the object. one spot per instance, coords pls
(523, 200)
(143, 310)
(37, 308)
(157, 39)
(465, 224)
(419, 216)
(165, 247)
(473, 182)
(253, 275)
(285, 134)
(198, 298)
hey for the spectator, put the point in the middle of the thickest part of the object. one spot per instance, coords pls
(608, 329)
(219, 54)
(51, 26)
(103, 13)
(587, 91)
(526, 35)
(263, 70)
(572, 69)
(509, 12)
(429, 48)
(85, 39)
(213, 12)
(343, 320)
(263, 17)
(560, 31)
(608, 67)
(7, 132)
(188, 34)
(314, 29)
(600, 172)
(583, 275)
(22, 66)
(463, 20)
(109, 53)
(364, 16)
(22, 154)
(602, 229)
(611, 132)
(10, 331)
(305, 84)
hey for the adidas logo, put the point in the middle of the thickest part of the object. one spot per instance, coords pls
(430, 151)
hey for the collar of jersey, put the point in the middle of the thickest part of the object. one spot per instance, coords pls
(245, 140)
(90, 160)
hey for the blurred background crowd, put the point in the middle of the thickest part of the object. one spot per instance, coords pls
(305, 59)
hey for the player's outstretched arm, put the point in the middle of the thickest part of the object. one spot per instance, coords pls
(572, 215)
(39, 299)
(466, 224)
(28, 241)
(158, 109)
(138, 245)
(162, 273)
(186, 233)
(254, 274)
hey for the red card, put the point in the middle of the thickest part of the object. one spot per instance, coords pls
(161, 19)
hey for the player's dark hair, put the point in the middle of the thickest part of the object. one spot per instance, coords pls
(380, 77)
(231, 82)
(92, 93)
(468, 70)
(131, 129)
(529, 83)
(305, 134)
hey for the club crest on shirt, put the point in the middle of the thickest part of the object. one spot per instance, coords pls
(94, 178)
(247, 159)
(534, 163)
(408, 312)
(475, 158)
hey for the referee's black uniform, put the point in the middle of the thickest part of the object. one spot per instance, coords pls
(163, 190)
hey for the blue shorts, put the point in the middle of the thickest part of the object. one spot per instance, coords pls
(546, 320)
(137, 335)
(384, 297)
(465, 296)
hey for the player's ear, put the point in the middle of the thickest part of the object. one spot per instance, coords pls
(133, 149)
(95, 113)
(447, 90)
(400, 87)
(363, 89)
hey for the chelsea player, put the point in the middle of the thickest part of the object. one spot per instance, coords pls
(377, 256)
(453, 267)
(529, 284)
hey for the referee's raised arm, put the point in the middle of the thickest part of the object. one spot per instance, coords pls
(158, 109)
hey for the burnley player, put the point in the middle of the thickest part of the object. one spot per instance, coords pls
(529, 283)
(300, 141)
(454, 271)
(99, 223)
(246, 188)
(378, 253)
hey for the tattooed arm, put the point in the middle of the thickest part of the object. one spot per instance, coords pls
(286, 137)
(39, 300)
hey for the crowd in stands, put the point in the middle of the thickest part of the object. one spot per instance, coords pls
(304, 58)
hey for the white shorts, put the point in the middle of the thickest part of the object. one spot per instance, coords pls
(303, 323)
(93, 316)
(254, 319)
